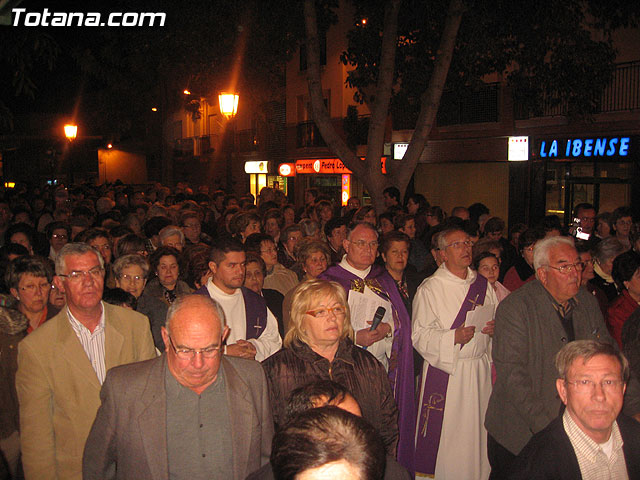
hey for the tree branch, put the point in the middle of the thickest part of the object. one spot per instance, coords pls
(430, 100)
(320, 114)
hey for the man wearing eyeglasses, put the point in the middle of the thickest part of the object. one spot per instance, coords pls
(456, 378)
(591, 439)
(191, 413)
(62, 364)
(532, 325)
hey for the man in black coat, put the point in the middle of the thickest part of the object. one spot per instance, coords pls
(592, 439)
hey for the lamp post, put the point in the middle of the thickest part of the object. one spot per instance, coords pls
(229, 107)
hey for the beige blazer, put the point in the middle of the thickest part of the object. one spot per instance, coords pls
(59, 392)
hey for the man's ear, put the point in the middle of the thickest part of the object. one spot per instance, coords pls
(213, 267)
(225, 333)
(165, 338)
(561, 386)
(541, 273)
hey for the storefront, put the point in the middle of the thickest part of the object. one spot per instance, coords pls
(564, 171)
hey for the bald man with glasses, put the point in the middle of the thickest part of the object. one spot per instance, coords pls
(191, 413)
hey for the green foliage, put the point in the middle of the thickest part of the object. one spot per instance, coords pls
(551, 51)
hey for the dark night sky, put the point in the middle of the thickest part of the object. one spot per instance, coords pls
(59, 89)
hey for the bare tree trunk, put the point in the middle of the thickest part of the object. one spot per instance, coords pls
(431, 98)
(368, 171)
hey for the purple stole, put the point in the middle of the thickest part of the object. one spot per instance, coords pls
(255, 309)
(435, 391)
(401, 361)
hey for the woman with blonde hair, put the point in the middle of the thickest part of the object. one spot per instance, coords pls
(319, 346)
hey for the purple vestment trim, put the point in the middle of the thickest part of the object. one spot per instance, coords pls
(435, 391)
(255, 308)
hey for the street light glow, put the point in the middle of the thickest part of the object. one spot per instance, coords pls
(228, 104)
(70, 131)
(186, 92)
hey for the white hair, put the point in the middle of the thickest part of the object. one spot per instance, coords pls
(543, 247)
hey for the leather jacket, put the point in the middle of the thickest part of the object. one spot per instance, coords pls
(352, 367)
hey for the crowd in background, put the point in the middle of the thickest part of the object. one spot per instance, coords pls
(156, 242)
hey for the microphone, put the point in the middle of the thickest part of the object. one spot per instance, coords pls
(377, 318)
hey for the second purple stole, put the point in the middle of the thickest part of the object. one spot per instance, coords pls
(435, 391)
(255, 309)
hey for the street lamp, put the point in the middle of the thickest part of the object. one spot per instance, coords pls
(229, 107)
(71, 132)
(228, 104)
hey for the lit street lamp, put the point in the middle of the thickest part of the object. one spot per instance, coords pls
(71, 132)
(229, 107)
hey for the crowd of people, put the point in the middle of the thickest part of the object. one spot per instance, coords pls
(155, 333)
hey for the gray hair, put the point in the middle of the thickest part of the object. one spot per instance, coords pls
(442, 236)
(170, 230)
(542, 249)
(71, 249)
(179, 303)
(607, 249)
(127, 260)
(586, 350)
(366, 225)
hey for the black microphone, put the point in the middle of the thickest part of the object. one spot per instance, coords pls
(377, 318)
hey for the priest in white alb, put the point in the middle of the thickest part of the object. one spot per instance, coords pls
(451, 441)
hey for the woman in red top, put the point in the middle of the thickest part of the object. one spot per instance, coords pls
(626, 273)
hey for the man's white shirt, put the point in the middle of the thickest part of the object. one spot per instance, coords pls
(234, 309)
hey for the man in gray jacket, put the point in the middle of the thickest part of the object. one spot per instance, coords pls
(532, 325)
(191, 413)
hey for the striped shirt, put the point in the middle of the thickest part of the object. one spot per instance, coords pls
(92, 343)
(594, 462)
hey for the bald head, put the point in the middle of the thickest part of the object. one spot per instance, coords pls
(193, 341)
(201, 303)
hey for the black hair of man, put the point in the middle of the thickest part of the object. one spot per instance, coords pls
(393, 192)
(117, 296)
(307, 397)
(324, 435)
(222, 246)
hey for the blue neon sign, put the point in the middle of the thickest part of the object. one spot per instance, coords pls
(584, 147)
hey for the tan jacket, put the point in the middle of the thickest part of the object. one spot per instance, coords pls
(59, 392)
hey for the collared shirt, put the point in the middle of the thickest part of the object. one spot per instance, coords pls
(92, 343)
(199, 442)
(594, 461)
(565, 315)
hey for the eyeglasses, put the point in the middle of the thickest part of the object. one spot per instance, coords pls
(132, 278)
(458, 245)
(77, 275)
(190, 353)
(338, 311)
(33, 287)
(568, 267)
(363, 244)
(589, 386)
(61, 237)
